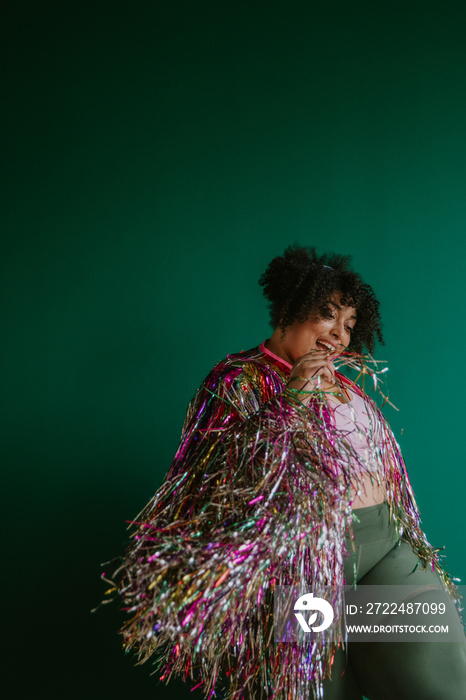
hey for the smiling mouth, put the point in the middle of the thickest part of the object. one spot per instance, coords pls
(328, 347)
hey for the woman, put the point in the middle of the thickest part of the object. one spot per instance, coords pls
(287, 473)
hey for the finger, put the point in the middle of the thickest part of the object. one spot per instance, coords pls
(328, 374)
(312, 354)
(319, 371)
(308, 365)
(325, 371)
(308, 360)
(326, 351)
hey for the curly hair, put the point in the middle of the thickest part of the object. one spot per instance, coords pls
(300, 282)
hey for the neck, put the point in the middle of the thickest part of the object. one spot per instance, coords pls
(276, 346)
(275, 357)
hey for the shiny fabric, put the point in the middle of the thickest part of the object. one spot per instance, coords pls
(258, 494)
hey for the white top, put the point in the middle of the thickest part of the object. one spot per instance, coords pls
(361, 427)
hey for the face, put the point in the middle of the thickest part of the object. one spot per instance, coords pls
(331, 335)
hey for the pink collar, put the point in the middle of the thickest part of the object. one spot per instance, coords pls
(275, 357)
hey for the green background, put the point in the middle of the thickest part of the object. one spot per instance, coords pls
(156, 156)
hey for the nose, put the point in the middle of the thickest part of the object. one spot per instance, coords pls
(338, 330)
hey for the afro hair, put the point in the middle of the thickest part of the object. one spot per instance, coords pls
(300, 282)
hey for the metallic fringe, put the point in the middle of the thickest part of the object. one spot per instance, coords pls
(258, 494)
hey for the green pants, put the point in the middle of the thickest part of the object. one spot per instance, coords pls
(393, 670)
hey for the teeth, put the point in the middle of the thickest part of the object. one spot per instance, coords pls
(327, 345)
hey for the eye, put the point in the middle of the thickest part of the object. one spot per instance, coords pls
(349, 329)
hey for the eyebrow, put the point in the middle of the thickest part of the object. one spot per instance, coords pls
(341, 309)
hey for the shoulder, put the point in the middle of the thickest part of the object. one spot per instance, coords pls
(248, 368)
(235, 388)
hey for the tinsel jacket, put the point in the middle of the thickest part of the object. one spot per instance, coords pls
(258, 494)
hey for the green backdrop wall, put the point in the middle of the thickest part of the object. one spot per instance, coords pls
(156, 156)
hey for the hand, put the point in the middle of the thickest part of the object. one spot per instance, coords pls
(306, 372)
